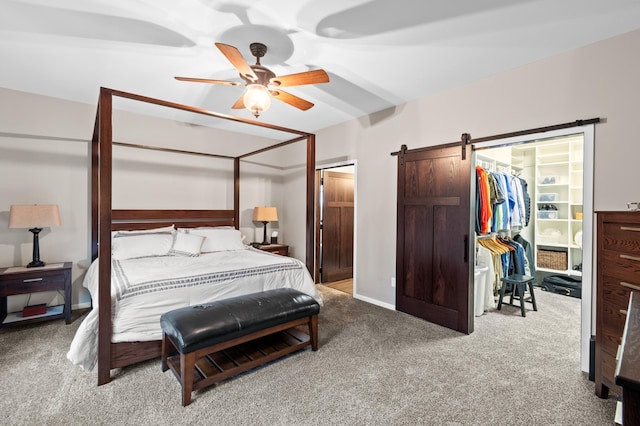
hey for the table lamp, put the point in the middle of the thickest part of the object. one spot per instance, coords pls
(35, 217)
(265, 215)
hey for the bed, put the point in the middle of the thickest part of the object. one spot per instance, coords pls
(162, 269)
(115, 351)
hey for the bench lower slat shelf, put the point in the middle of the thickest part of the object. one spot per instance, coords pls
(212, 369)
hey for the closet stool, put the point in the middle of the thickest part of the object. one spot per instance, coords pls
(519, 285)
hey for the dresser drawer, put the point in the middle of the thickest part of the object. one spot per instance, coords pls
(617, 291)
(624, 237)
(613, 319)
(624, 266)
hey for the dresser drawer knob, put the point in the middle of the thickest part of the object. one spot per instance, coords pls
(623, 311)
(629, 285)
(32, 280)
(629, 228)
(626, 256)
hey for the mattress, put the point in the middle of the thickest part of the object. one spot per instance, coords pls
(142, 289)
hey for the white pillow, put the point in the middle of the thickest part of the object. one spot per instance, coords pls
(129, 246)
(218, 238)
(169, 229)
(186, 245)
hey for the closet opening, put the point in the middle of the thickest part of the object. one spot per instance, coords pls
(335, 225)
(555, 168)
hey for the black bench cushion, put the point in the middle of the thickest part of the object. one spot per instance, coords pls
(196, 327)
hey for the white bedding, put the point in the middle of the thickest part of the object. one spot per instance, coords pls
(143, 289)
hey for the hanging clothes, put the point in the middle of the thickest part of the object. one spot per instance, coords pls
(501, 210)
(528, 250)
(483, 206)
(502, 202)
(527, 201)
(484, 259)
(500, 258)
(518, 259)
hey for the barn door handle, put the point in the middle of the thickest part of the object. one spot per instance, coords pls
(466, 247)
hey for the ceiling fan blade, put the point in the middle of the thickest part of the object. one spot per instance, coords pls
(239, 103)
(206, 80)
(291, 99)
(235, 57)
(299, 79)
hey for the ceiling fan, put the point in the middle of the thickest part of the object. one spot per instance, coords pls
(261, 82)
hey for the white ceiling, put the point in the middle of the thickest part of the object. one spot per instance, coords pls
(378, 53)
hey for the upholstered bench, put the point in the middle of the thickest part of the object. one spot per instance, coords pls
(205, 344)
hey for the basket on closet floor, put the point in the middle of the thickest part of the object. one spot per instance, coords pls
(551, 259)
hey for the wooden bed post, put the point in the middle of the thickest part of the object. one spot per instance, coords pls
(116, 355)
(311, 176)
(236, 192)
(101, 197)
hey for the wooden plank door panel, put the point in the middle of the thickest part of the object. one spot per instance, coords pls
(433, 228)
(337, 226)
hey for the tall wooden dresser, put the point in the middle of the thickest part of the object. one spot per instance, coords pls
(618, 261)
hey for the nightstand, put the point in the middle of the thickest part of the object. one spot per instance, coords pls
(22, 280)
(281, 249)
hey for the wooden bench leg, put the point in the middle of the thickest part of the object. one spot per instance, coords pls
(313, 332)
(187, 367)
(166, 351)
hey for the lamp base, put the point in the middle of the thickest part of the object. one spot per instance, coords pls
(265, 242)
(36, 262)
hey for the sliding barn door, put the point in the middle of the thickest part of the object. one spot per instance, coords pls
(432, 264)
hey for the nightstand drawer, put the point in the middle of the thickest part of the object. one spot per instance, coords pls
(281, 249)
(32, 282)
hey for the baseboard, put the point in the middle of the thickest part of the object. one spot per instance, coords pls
(84, 305)
(375, 302)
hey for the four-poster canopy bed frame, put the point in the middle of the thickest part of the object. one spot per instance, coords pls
(105, 219)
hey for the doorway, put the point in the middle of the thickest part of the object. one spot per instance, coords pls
(335, 224)
(559, 168)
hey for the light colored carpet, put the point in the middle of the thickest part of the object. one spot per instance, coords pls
(374, 367)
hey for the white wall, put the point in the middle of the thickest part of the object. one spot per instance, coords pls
(600, 80)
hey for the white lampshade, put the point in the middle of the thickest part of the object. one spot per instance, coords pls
(257, 99)
(34, 216)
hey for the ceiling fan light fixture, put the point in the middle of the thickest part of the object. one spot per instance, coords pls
(257, 99)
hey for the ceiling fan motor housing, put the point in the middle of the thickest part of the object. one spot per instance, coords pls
(263, 73)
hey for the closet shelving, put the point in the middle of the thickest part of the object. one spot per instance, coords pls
(558, 206)
(501, 160)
